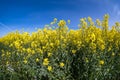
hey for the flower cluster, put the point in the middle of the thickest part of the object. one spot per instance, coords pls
(59, 53)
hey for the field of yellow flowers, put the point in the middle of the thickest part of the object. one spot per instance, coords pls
(91, 52)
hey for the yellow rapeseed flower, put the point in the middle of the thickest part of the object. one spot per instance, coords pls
(92, 37)
(7, 62)
(98, 22)
(25, 61)
(37, 59)
(62, 64)
(113, 54)
(101, 62)
(17, 44)
(102, 47)
(73, 51)
(109, 48)
(29, 50)
(33, 45)
(33, 52)
(89, 19)
(49, 54)
(49, 68)
(51, 44)
(61, 23)
(45, 61)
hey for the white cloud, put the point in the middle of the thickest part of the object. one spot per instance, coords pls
(114, 14)
(5, 26)
(116, 10)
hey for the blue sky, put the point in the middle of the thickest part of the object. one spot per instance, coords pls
(31, 14)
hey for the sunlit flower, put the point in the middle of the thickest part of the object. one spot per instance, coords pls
(7, 63)
(92, 37)
(49, 68)
(73, 51)
(113, 54)
(37, 59)
(101, 62)
(49, 54)
(62, 23)
(62, 64)
(25, 61)
(29, 50)
(45, 61)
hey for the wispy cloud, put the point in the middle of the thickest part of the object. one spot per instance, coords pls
(114, 13)
(116, 10)
(5, 26)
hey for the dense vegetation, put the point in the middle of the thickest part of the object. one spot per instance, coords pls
(91, 52)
